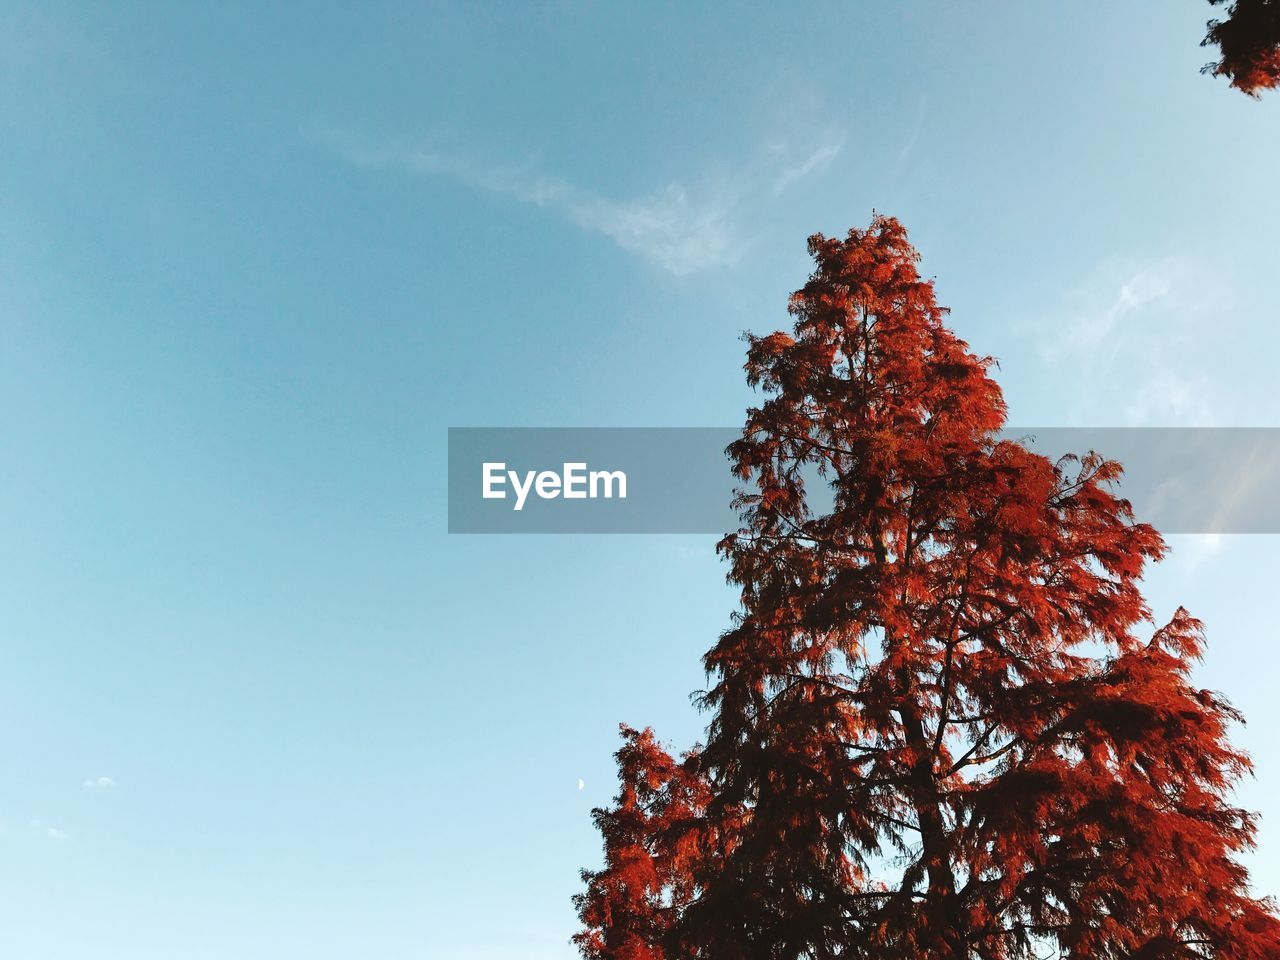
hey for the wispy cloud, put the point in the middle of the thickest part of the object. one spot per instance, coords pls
(815, 162)
(99, 783)
(1204, 547)
(1129, 343)
(1191, 551)
(681, 227)
(53, 833)
(917, 128)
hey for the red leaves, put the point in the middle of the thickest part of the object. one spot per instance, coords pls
(1249, 43)
(651, 838)
(935, 729)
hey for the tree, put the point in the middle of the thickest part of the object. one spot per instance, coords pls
(629, 906)
(936, 730)
(1249, 43)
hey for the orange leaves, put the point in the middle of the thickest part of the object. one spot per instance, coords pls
(651, 840)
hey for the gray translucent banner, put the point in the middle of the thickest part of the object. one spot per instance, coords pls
(677, 480)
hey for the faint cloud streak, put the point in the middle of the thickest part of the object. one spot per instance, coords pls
(682, 229)
(817, 161)
(1130, 339)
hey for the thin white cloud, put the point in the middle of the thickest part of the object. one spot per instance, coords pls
(683, 228)
(1118, 310)
(1193, 550)
(680, 233)
(53, 833)
(99, 783)
(1129, 344)
(817, 160)
(1171, 396)
(917, 128)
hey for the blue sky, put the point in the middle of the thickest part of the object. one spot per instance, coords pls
(255, 260)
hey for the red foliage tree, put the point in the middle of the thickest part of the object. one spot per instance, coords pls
(650, 842)
(936, 731)
(1249, 43)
